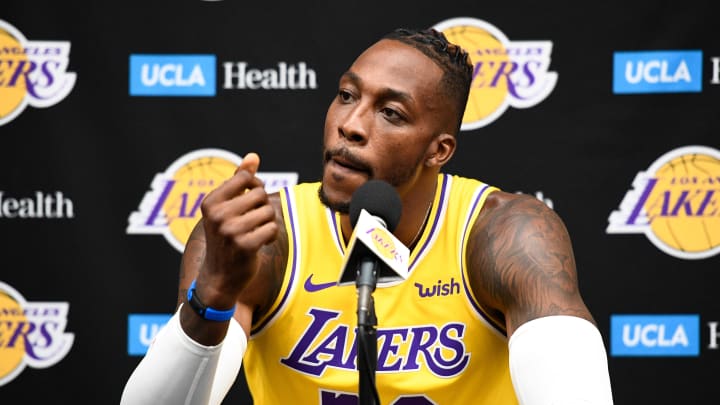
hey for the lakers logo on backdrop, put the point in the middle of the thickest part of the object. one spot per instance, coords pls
(675, 203)
(506, 73)
(31, 333)
(172, 207)
(31, 72)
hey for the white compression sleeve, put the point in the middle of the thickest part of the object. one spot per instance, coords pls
(178, 370)
(559, 360)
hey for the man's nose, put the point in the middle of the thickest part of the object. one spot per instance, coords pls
(354, 126)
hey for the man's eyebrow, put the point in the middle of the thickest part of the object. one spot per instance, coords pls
(385, 93)
(352, 77)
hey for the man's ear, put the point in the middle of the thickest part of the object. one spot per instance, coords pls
(440, 150)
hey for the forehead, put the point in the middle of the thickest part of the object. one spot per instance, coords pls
(396, 65)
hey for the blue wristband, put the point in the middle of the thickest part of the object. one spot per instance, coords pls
(211, 314)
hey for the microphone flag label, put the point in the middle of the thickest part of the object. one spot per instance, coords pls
(373, 236)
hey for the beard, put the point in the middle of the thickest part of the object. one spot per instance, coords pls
(341, 207)
(398, 175)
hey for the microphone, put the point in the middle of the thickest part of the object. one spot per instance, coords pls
(375, 210)
(374, 254)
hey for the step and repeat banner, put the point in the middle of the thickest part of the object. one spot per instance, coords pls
(117, 118)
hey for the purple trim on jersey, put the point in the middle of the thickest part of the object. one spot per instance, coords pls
(435, 222)
(470, 298)
(293, 272)
(335, 227)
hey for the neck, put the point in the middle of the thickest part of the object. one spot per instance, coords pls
(417, 204)
(421, 228)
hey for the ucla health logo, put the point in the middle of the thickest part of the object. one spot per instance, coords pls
(655, 335)
(31, 72)
(675, 203)
(142, 329)
(657, 72)
(506, 73)
(172, 206)
(172, 75)
(31, 333)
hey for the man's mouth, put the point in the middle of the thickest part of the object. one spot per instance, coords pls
(347, 161)
(347, 164)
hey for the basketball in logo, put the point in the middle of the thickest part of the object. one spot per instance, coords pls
(486, 97)
(683, 205)
(12, 351)
(172, 207)
(675, 203)
(505, 73)
(33, 72)
(13, 91)
(193, 181)
(31, 333)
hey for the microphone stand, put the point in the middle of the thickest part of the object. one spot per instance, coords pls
(366, 337)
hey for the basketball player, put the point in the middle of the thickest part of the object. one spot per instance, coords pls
(490, 313)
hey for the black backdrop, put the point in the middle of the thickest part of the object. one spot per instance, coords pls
(581, 147)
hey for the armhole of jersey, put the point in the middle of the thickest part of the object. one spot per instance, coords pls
(289, 210)
(477, 202)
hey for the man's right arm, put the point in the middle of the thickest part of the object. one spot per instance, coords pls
(238, 220)
(222, 258)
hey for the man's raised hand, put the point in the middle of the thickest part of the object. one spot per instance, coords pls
(238, 220)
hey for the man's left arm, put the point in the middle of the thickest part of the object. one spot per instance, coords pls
(522, 265)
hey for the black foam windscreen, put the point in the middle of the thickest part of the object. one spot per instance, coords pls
(378, 198)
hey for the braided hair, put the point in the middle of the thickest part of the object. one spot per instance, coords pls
(452, 59)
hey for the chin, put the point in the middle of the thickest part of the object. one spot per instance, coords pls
(342, 207)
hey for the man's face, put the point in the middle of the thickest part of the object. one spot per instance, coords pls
(379, 126)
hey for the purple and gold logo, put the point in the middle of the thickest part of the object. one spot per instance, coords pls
(675, 203)
(31, 73)
(172, 207)
(506, 73)
(384, 244)
(329, 343)
(31, 333)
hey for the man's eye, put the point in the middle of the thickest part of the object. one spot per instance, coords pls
(344, 95)
(391, 114)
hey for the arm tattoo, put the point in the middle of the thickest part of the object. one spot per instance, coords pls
(522, 258)
(273, 259)
(191, 260)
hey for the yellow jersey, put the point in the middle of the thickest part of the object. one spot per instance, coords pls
(435, 343)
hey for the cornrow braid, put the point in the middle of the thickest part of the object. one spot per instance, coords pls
(452, 59)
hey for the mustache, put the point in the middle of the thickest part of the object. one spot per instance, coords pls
(344, 154)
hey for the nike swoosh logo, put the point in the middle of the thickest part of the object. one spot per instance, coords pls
(311, 287)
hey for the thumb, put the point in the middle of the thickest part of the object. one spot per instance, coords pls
(250, 162)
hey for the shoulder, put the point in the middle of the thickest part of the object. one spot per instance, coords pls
(518, 216)
(501, 205)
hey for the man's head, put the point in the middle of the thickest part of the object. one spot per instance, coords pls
(395, 116)
(452, 59)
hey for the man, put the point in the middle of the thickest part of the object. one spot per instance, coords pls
(490, 312)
